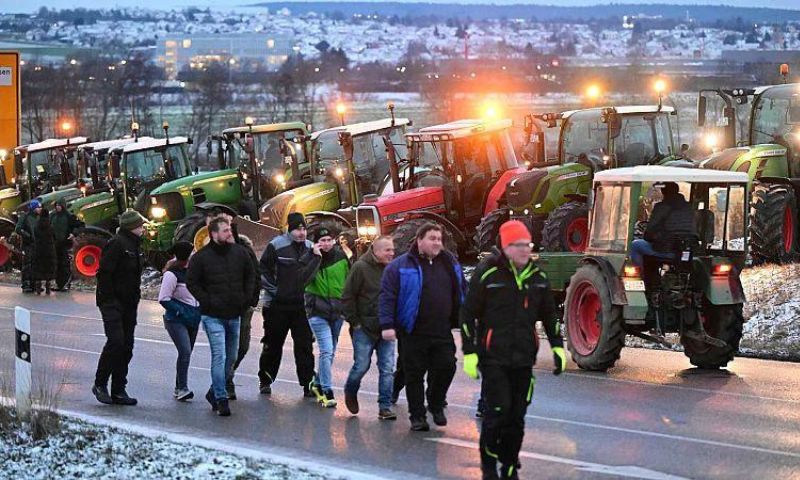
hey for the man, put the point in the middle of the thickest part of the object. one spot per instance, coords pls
(421, 292)
(221, 278)
(64, 225)
(118, 292)
(287, 266)
(360, 303)
(26, 228)
(672, 219)
(323, 299)
(507, 295)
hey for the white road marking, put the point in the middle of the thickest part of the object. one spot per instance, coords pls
(632, 431)
(630, 471)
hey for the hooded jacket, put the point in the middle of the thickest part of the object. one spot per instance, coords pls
(64, 223)
(119, 277)
(360, 295)
(286, 268)
(323, 296)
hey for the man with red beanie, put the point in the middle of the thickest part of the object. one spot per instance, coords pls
(507, 295)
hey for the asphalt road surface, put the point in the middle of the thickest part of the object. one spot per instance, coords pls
(652, 417)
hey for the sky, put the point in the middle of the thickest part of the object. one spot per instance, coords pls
(17, 6)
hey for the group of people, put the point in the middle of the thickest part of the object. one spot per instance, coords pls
(46, 241)
(409, 304)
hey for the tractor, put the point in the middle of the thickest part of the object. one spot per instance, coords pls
(606, 297)
(770, 156)
(455, 174)
(552, 197)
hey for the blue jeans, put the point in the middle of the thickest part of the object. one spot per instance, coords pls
(183, 336)
(327, 334)
(640, 248)
(363, 346)
(223, 338)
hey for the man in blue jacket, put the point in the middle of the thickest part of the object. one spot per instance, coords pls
(421, 293)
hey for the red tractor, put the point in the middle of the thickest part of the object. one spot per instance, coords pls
(455, 175)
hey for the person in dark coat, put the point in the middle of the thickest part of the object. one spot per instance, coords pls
(64, 226)
(43, 267)
(119, 280)
(26, 229)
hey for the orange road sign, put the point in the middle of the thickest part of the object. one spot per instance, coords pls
(10, 112)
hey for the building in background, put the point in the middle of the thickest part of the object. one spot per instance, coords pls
(239, 51)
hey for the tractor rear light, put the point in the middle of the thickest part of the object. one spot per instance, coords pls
(721, 269)
(632, 271)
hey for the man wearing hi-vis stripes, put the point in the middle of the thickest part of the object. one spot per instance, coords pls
(507, 295)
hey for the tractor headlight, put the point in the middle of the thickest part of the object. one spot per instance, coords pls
(362, 231)
(158, 212)
(280, 178)
(372, 231)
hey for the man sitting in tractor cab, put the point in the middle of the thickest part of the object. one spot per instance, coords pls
(672, 220)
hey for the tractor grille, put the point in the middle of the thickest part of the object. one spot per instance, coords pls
(171, 202)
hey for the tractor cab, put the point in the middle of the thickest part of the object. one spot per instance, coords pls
(47, 166)
(93, 174)
(691, 288)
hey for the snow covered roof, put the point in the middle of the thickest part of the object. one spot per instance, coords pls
(356, 129)
(266, 128)
(151, 143)
(655, 173)
(460, 129)
(110, 144)
(52, 143)
(627, 110)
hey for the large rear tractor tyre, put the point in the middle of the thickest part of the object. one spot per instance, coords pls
(595, 330)
(720, 321)
(773, 223)
(405, 235)
(86, 254)
(489, 230)
(193, 230)
(567, 228)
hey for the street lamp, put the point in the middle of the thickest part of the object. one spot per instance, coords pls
(660, 86)
(340, 110)
(593, 93)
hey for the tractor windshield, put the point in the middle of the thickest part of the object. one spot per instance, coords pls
(644, 139)
(93, 163)
(485, 154)
(269, 150)
(54, 166)
(583, 133)
(161, 164)
(728, 208)
(610, 219)
(775, 116)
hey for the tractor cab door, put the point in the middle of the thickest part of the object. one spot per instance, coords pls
(477, 158)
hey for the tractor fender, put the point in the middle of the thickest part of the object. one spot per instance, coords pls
(7, 224)
(458, 235)
(206, 206)
(615, 287)
(322, 214)
(723, 290)
(577, 197)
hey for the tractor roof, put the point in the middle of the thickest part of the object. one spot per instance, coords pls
(267, 128)
(656, 173)
(459, 129)
(52, 143)
(110, 144)
(626, 110)
(356, 129)
(151, 143)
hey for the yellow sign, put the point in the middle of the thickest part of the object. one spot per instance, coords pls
(10, 112)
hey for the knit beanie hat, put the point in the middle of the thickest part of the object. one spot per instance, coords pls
(513, 231)
(34, 205)
(130, 220)
(295, 220)
(321, 232)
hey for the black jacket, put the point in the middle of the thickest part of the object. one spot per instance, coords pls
(499, 315)
(64, 224)
(360, 296)
(120, 275)
(221, 278)
(286, 268)
(672, 219)
(43, 266)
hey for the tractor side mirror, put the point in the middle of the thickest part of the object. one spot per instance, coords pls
(701, 110)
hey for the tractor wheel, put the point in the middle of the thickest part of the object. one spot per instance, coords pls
(86, 254)
(489, 229)
(567, 228)
(191, 230)
(773, 223)
(720, 321)
(405, 235)
(595, 329)
(156, 259)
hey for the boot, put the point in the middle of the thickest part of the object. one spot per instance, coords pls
(122, 398)
(223, 409)
(100, 392)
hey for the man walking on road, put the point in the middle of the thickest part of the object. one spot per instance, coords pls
(118, 291)
(421, 292)
(360, 303)
(221, 278)
(64, 225)
(287, 266)
(507, 295)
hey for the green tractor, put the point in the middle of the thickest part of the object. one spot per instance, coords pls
(552, 197)
(769, 154)
(606, 297)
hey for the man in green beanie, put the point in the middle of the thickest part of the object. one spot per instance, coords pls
(118, 292)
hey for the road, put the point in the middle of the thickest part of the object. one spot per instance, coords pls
(652, 417)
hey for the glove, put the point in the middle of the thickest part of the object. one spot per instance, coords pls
(471, 365)
(560, 359)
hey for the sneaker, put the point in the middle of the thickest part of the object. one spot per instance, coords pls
(419, 425)
(231, 389)
(439, 418)
(210, 398)
(122, 398)
(223, 409)
(313, 390)
(327, 400)
(386, 414)
(101, 394)
(183, 395)
(351, 402)
(265, 388)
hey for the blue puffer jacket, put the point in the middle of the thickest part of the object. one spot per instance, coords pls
(401, 290)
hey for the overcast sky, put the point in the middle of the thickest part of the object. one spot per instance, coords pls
(32, 5)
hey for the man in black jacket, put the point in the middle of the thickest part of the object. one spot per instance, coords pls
(221, 277)
(672, 219)
(507, 295)
(288, 264)
(64, 225)
(118, 292)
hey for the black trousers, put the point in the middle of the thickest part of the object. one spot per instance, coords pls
(277, 324)
(507, 392)
(63, 268)
(431, 356)
(27, 266)
(399, 381)
(245, 328)
(119, 324)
